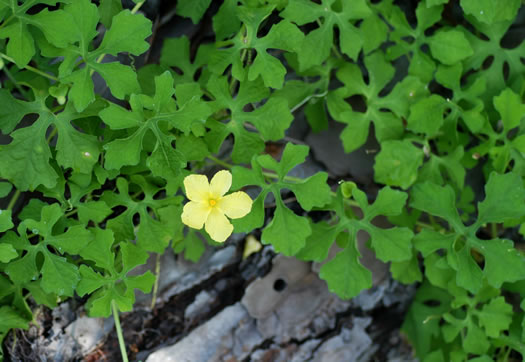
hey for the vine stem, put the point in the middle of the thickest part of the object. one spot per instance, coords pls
(119, 332)
(274, 176)
(13, 200)
(30, 68)
(6, 21)
(137, 7)
(17, 85)
(156, 285)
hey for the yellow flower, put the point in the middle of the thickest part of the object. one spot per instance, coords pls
(209, 207)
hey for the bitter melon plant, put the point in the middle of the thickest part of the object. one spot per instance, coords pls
(101, 146)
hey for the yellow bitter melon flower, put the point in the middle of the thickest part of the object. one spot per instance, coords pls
(209, 207)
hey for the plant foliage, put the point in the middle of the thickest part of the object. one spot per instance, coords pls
(92, 181)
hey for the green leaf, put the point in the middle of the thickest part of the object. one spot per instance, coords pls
(193, 148)
(476, 340)
(127, 34)
(437, 200)
(469, 274)
(317, 44)
(107, 10)
(5, 220)
(495, 317)
(504, 199)
(121, 79)
(192, 246)
(272, 119)
(283, 36)
(76, 150)
(313, 191)
(176, 54)
(291, 157)
(193, 9)
(152, 235)
(25, 161)
(319, 242)
(495, 79)
(489, 11)
(99, 249)
(11, 318)
(286, 232)
(58, 275)
(407, 271)
(55, 25)
(429, 302)
(427, 115)
(82, 91)
(226, 21)
(164, 161)
(21, 46)
(117, 286)
(12, 111)
(510, 107)
(374, 33)
(383, 111)
(397, 163)
(336, 273)
(255, 219)
(124, 151)
(503, 262)
(450, 46)
(388, 202)
(5, 189)
(117, 117)
(392, 244)
(7, 253)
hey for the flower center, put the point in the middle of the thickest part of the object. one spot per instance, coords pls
(213, 202)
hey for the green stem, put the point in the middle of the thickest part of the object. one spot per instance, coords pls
(137, 7)
(119, 332)
(494, 230)
(220, 162)
(52, 134)
(30, 68)
(6, 21)
(156, 285)
(274, 176)
(22, 91)
(13, 200)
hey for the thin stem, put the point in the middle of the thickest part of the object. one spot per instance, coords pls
(137, 7)
(30, 68)
(156, 285)
(274, 176)
(119, 332)
(6, 21)
(220, 162)
(494, 230)
(22, 91)
(52, 134)
(13, 200)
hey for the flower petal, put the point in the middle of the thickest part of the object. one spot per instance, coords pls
(220, 183)
(197, 188)
(235, 205)
(218, 226)
(195, 214)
